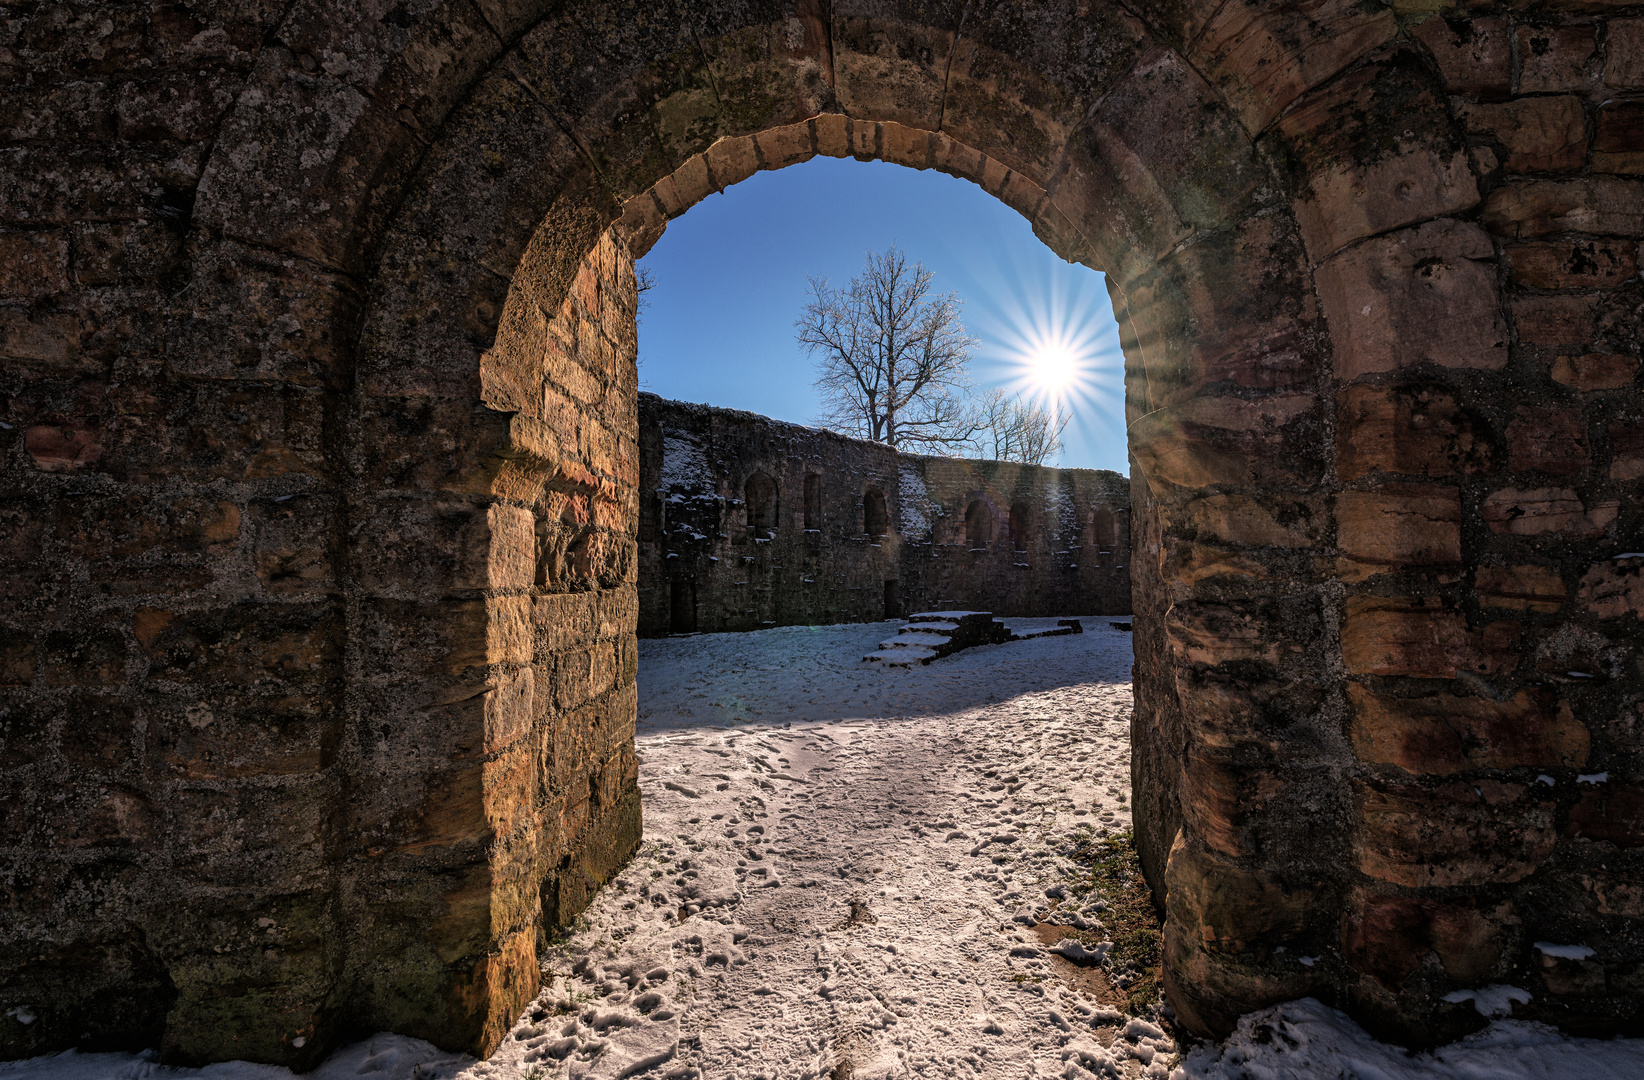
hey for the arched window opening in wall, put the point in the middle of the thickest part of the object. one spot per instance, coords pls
(1021, 516)
(682, 606)
(875, 519)
(760, 495)
(1101, 528)
(978, 524)
(813, 501)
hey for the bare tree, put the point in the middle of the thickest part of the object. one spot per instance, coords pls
(1015, 430)
(891, 357)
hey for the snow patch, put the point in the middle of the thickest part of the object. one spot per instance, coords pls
(1495, 1000)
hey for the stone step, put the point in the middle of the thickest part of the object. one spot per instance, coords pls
(914, 640)
(930, 635)
(902, 657)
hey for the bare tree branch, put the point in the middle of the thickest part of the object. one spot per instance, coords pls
(891, 358)
(1017, 430)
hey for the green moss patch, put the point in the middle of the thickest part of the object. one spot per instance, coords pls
(1109, 872)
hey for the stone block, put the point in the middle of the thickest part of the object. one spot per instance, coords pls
(1562, 976)
(1627, 450)
(112, 253)
(1595, 371)
(891, 69)
(1389, 936)
(1614, 589)
(1618, 145)
(1573, 264)
(1224, 793)
(186, 108)
(1521, 588)
(1604, 206)
(64, 113)
(1263, 58)
(1547, 439)
(1404, 636)
(502, 985)
(98, 733)
(1374, 149)
(1227, 908)
(1186, 563)
(1213, 634)
(906, 146)
(688, 185)
(83, 657)
(1610, 813)
(1442, 734)
(445, 546)
(234, 736)
(245, 644)
(1420, 430)
(1465, 833)
(1545, 511)
(294, 546)
(17, 658)
(1225, 440)
(47, 342)
(33, 265)
(1554, 58)
(1214, 313)
(1400, 525)
(1538, 134)
(1554, 320)
(62, 185)
(783, 146)
(832, 139)
(1152, 133)
(294, 190)
(732, 160)
(1624, 54)
(1425, 295)
(1244, 520)
(1475, 55)
(122, 528)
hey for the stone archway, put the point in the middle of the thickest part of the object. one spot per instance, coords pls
(391, 394)
(1147, 172)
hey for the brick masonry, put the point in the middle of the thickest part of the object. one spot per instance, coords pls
(852, 531)
(320, 493)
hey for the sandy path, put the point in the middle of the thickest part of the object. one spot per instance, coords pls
(841, 859)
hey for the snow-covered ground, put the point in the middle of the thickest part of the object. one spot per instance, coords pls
(840, 870)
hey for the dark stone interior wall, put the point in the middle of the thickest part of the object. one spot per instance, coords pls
(695, 536)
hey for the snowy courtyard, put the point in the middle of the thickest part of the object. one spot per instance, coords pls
(841, 875)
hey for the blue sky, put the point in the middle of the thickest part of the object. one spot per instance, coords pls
(731, 278)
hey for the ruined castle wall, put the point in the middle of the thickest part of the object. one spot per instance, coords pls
(709, 560)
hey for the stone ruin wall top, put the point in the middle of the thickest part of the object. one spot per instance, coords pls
(844, 517)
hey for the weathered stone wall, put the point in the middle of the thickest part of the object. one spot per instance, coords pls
(710, 561)
(283, 296)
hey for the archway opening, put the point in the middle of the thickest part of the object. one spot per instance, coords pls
(1021, 525)
(875, 518)
(1158, 185)
(978, 524)
(759, 497)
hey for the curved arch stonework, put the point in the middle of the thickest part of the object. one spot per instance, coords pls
(362, 705)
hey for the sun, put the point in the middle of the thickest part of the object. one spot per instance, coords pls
(1053, 369)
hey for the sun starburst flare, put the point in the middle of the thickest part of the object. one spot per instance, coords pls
(1051, 344)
